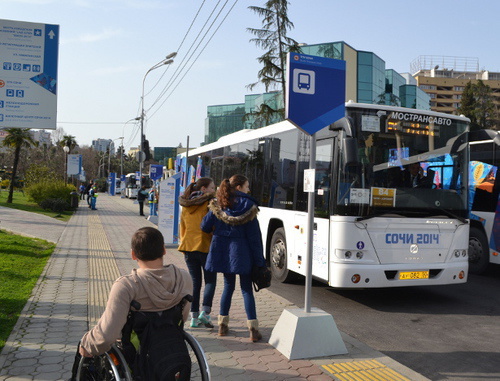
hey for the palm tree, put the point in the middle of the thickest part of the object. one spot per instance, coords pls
(17, 138)
(68, 141)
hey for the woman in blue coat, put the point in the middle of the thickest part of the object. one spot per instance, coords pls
(236, 247)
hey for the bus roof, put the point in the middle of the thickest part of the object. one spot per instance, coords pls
(250, 134)
(406, 109)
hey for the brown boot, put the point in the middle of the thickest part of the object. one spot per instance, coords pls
(253, 327)
(223, 325)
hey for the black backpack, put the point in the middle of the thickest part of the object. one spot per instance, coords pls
(163, 354)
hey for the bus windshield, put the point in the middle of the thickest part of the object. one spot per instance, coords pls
(410, 163)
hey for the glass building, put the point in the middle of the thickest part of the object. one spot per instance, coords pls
(223, 120)
(413, 96)
(371, 77)
(393, 81)
(162, 154)
(367, 81)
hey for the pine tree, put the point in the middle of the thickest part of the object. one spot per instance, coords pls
(272, 38)
(477, 105)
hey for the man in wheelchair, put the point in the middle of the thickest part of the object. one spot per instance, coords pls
(153, 286)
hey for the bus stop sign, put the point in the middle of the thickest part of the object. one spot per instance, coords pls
(315, 94)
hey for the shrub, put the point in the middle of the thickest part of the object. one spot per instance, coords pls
(57, 205)
(50, 190)
(4, 184)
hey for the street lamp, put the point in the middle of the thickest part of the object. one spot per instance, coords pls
(109, 154)
(66, 151)
(166, 61)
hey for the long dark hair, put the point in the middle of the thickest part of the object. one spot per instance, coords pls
(227, 190)
(197, 185)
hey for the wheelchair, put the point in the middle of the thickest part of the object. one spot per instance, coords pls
(113, 366)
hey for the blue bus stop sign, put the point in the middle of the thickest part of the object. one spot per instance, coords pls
(315, 96)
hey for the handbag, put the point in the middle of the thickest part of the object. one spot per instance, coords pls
(261, 278)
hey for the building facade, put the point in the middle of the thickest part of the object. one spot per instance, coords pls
(367, 81)
(444, 79)
(102, 145)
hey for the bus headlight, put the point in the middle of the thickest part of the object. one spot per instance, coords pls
(359, 255)
(348, 254)
(355, 278)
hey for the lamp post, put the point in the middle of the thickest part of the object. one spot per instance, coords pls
(66, 151)
(109, 155)
(166, 61)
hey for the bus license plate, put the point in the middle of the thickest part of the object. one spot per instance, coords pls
(414, 275)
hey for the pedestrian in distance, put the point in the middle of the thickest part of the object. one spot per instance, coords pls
(236, 247)
(82, 191)
(155, 286)
(93, 198)
(87, 191)
(195, 243)
(141, 196)
(153, 201)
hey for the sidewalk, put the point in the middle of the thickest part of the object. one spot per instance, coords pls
(93, 249)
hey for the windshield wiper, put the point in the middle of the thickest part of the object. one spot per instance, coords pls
(373, 215)
(452, 215)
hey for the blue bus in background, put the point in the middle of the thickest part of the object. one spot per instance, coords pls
(484, 206)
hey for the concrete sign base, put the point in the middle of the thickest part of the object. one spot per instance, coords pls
(300, 335)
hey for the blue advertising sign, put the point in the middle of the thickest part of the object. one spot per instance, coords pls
(155, 171)
(28, 74)
(315, 95)
(112, 183)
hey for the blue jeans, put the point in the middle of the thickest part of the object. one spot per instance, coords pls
(152, 209)
(92, 203)
(246, 291)
(195, 262)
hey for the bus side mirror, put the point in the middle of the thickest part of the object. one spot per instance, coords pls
(350, 151)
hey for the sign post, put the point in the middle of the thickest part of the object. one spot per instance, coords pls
(28, 74)
(315, 98)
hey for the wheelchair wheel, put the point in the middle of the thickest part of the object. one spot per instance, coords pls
(111, 366)
(199, 364)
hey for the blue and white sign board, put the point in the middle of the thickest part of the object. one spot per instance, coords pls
(28, 74)
(168, 209)
(74, 164)
(315, 96)
(155, 171)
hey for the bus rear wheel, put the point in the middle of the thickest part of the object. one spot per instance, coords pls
(479, 251)
(279, 260)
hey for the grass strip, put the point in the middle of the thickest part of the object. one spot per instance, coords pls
(20, 201)
(22, 260)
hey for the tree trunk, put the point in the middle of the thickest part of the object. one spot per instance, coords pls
(17, 152)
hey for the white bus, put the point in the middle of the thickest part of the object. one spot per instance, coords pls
(371, 229)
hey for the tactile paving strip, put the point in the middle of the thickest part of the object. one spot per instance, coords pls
(103, 270)
(368, 370)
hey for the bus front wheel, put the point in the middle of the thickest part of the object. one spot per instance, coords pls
(479, 251)
(279, 261)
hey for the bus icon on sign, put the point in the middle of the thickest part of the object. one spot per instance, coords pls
(304, 81)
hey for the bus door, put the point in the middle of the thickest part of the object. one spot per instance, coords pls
(322, 199)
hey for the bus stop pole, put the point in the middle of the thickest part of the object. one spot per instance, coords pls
(310, 227)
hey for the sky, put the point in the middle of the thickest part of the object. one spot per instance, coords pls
(106, 47)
